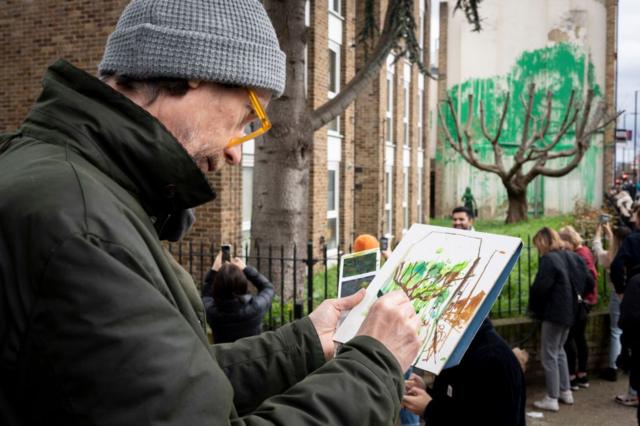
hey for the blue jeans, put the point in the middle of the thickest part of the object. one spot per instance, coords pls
(407, 418)
(614, 340)
(615, 332)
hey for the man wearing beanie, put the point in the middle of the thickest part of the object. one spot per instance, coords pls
(98, 324)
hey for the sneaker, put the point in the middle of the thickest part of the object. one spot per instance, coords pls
(626, 399)
(609, 374)
(566, 397)
(582, 382)
(547, 403)
(574, 384)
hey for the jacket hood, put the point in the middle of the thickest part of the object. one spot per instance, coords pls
(123, 140)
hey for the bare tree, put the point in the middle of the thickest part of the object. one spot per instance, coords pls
(281, 168)
(536, 146)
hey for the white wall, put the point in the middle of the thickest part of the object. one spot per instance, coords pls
(512, 28)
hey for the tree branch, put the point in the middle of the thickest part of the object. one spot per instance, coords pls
(457, 143)
(524, 142)
(497, 149)
(587, 127)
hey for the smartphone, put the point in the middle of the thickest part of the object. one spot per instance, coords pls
(604, 218)
(226, 252)
(384, 243)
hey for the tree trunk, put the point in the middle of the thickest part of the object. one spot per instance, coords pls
(281, 166)
(518, 206)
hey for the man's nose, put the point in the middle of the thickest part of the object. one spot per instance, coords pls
(233, 155)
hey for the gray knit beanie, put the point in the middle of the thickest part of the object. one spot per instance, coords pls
(226, 41)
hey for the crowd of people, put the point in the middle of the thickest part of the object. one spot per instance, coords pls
(565, 290)
(563, 293)
(489, 384)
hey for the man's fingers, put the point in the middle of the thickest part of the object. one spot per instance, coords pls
(396, 297)
(346, 303)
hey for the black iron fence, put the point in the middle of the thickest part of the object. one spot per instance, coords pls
(319, 279)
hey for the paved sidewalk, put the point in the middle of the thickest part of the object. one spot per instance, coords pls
(593, 406)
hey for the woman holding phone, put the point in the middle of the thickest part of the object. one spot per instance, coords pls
(604, 258)
(233, 312)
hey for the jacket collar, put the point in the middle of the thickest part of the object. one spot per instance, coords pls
(123, 140)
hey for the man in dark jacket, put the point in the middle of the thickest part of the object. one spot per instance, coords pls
(626, 264)
(487, 387)
(99, 324)
(630, 325)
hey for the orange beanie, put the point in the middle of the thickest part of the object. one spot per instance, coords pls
(365, 242)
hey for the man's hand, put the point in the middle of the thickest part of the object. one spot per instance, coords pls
(414, 381)
(325, 319)
(416, 400)
(522, 356)
(393, 321)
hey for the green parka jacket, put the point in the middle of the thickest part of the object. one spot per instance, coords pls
(96, 322)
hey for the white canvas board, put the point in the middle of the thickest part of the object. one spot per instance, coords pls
(448, 274)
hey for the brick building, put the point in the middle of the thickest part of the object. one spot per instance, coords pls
(370, 168)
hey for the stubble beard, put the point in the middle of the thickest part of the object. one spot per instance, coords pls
(189, 138)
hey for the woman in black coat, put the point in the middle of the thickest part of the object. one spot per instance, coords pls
(232, 312)
(553, 298)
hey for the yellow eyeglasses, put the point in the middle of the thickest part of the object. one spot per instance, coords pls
(265, 124)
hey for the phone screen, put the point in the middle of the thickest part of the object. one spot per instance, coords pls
(226, 253)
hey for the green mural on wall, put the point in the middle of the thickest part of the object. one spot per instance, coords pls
(560, 69)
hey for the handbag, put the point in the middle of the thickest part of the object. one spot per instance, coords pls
(583, 310)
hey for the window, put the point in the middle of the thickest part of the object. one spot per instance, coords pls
(247, 190)
(331, 190)
(405, 198)
(307, 23)
(334, 125)
(405, 114)
(389, 110)
(331, 234)
(334, 6)
(334, 70)
(419, 195)
(388, 202)
(334, 81)
(247, 184)
(420, 118)
(406, 102)
(421, 30)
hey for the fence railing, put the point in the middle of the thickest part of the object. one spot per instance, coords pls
(320, 278)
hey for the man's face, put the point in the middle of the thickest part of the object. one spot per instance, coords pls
(206, 118)
(461, 220)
